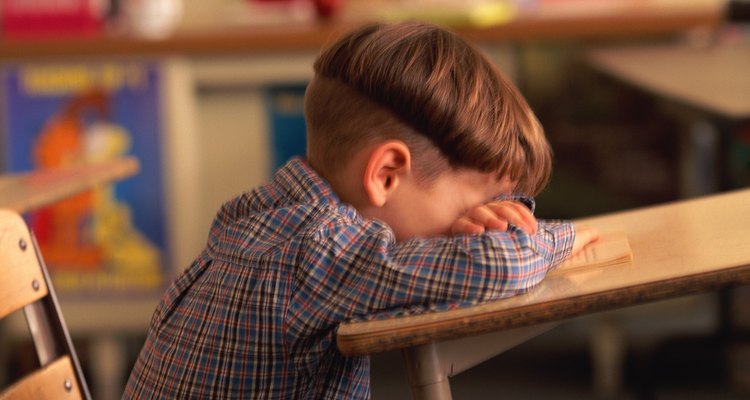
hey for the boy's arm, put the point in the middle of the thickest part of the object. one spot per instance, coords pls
(491, 265)
(359, 269)
(371, 272)
(524, 248)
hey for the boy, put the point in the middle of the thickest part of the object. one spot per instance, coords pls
(417, 148)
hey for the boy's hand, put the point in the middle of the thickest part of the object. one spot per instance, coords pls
(584, 236)
(496, 215)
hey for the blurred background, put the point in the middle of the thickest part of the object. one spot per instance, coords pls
(643, 101)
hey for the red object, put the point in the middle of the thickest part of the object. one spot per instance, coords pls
(50, 18)
(327, 8)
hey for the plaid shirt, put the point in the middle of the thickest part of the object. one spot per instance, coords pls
(255, 315)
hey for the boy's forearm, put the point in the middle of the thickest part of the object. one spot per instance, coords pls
(502, 263)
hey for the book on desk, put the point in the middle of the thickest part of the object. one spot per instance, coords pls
(609, 249)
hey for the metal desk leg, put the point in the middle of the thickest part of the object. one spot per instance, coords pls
(608, 355)
(425, 372)
(429, 366)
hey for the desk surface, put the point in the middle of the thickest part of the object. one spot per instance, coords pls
(713, 78)
(26, 191)
(549, 21)
(678, 249)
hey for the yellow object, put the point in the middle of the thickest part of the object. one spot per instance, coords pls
(470, 13)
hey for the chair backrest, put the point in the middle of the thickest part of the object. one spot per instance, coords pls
(25, 283)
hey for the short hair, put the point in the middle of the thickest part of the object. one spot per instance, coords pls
(430, 88)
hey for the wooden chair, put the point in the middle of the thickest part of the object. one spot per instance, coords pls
(25, 283)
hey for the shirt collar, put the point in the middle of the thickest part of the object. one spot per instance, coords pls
(303, 184)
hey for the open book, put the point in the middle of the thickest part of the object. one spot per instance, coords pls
(610, 249)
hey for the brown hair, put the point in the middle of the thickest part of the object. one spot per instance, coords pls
(432, 89)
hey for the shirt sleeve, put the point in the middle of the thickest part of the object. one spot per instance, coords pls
(363, 270)
(481, 267)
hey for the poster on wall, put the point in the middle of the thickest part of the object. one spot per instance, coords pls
(110, 240)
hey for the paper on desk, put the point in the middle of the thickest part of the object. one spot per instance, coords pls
(610, 249)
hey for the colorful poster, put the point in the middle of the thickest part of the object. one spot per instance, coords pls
(109, 240)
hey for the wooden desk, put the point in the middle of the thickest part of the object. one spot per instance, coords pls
(682, 248)
(701, 84)
(24, 192)
(712, 78)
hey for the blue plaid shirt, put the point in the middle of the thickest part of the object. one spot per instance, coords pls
(255, 315)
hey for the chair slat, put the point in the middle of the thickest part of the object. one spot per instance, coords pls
(55, 381)
(21, 279)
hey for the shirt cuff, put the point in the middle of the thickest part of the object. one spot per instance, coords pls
(521, 198)
(562, 235)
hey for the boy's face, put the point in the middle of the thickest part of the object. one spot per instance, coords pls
(429, 209)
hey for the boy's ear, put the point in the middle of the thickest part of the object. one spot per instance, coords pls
(388, 165)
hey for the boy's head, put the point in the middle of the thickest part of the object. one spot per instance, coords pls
(423, 88)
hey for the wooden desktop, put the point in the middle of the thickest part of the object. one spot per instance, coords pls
(24, 192)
